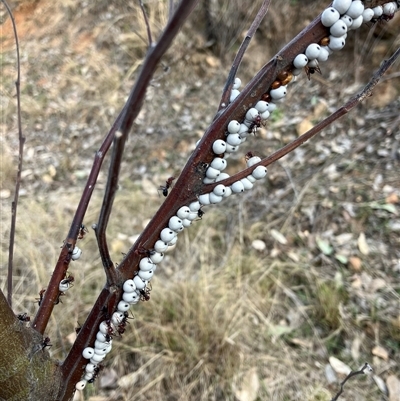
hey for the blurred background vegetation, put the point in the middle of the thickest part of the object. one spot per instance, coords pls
(255, 299)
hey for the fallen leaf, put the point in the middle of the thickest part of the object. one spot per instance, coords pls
(392, 198)
(258, 245)
(278, 237)
(393, 385)
(338, 366)
(355, 263)
(362, 244)
(389, 207)
(380, 352)
(341, 258)
(324, 246)
(304, 126)
(330, 374)
(250, 386)
(5, 193)
(381, 384)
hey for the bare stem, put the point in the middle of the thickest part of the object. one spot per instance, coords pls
(350, 375)
(146, 20)
(239, 55)
(21, 139)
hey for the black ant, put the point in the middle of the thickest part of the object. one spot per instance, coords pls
(312, 70)
(68, 280)
(167, 186)
(144, 294)
(46, 343)
(200, 214)
(82, 231)
(96, 372)
(254, 125)
(23, 317)
(122, 325)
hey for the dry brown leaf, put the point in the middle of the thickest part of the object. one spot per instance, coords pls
(362, 244)
(392, 198)
(304, 126)
(250, 386)
(355, 263)
(339, 366)
(393, 385)
(380, 352)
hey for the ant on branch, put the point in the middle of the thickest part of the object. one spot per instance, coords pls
(82, 231)
(145, 293)
(167, 186)
(255, 125)
(23, 317)
(46, 343)
(40, 299)
(96, 372)
(312, 70)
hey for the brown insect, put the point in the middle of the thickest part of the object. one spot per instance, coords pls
(249, 155)
(324, 41)
(82, 231)
(167, 186)
(282, 75)
(276, 84)
(266, 97)
(288, 78)
(41, 292)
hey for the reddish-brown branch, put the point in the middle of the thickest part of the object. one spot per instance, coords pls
(52, 293)
(189, 185)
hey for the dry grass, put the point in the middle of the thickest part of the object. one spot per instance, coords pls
(224, 318)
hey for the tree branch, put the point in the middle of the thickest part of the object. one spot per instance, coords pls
(21, 139)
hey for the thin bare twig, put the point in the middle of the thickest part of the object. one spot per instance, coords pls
(239, 55)
(350, 375)
(21, 139)
(153, 56)
(146, 20)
